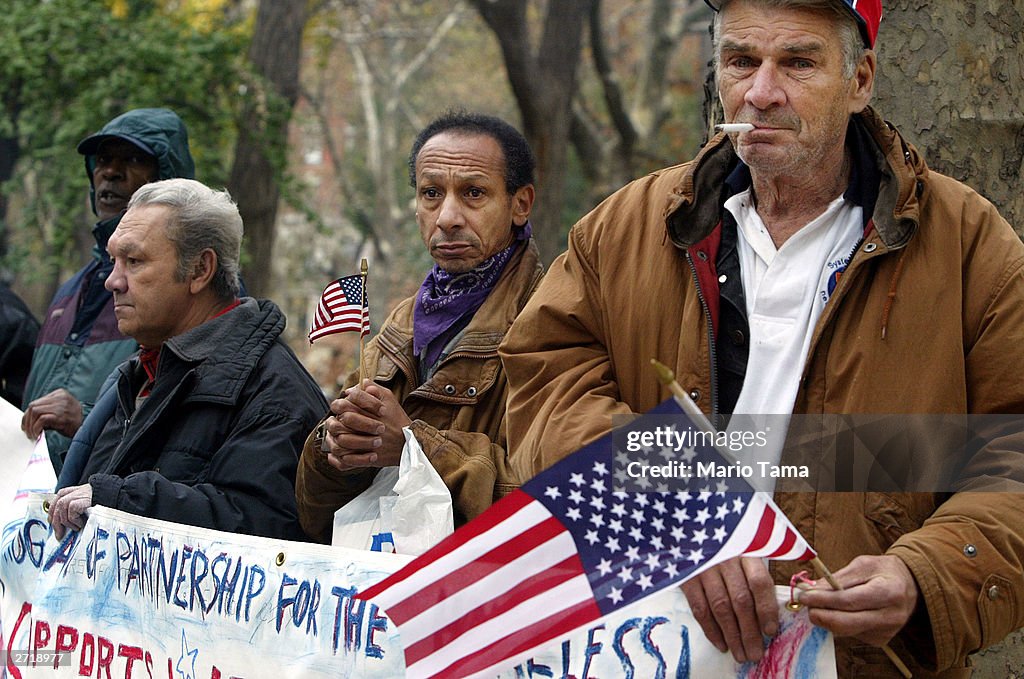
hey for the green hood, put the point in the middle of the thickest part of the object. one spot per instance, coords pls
(157, 131)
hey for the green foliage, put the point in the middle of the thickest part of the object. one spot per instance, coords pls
(69, 66)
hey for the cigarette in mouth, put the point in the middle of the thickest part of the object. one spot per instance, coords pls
(735, 127)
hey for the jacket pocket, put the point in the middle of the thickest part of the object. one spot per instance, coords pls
(463, 381)
(997, 607)
(895, 514)
(184, 465)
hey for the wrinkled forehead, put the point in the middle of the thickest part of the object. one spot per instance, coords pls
(459, 159)
(461, 153)
(142, 227)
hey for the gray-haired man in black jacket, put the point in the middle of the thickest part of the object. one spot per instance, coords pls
(211, 416)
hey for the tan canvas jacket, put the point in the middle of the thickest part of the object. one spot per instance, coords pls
(927, 318)
(458, 414)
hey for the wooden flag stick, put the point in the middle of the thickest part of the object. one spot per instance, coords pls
(363, 270)
(668, 378)
(692, 410)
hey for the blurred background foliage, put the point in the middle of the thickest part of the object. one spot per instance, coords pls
(66, 68)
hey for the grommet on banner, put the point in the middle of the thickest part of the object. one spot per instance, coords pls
(798, 581)
(280, 559)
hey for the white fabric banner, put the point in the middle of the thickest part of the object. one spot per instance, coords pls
(25, 464)
(133, 597)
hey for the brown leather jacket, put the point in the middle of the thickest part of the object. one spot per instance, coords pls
(927, 318)
(458, 414)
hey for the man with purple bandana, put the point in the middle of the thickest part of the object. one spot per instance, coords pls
(434, 364)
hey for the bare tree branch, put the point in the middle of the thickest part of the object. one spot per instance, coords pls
(507, 20)
(585, 135)
(544, 83)
(436, 39)
(610, 83)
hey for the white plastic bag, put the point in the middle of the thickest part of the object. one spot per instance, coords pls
(407, 509)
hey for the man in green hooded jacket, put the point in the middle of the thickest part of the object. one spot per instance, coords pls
(79, 344)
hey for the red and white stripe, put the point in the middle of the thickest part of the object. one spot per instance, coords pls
(504, 585)
(511, 581)
(335, 313)
(766, 532)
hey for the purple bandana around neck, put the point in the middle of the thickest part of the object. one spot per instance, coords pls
(445, 298)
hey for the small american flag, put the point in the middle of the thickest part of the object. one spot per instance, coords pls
(565, 550)
(342, 308)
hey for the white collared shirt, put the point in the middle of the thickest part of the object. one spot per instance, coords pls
(786, 290)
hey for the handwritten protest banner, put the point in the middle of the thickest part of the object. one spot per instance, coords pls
(133, 597)
(26, 465)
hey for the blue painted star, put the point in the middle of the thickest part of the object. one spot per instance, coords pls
(194, 653)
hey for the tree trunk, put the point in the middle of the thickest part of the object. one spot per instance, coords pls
(950, 78)
(960, 63)
(259, 154)
(543, 82)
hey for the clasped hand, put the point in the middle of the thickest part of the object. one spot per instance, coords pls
(365, 428)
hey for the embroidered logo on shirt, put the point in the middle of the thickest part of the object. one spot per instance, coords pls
(837, 266)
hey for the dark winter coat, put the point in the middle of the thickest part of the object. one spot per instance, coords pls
(18, 328)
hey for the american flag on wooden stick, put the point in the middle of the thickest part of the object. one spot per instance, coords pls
(342, 308)
(565, 550)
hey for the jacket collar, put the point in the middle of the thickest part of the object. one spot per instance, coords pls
(509, 296)
(694, 208)
(101, 232)
(225, 350)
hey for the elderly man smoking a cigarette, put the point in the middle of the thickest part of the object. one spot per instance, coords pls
(809, 262)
